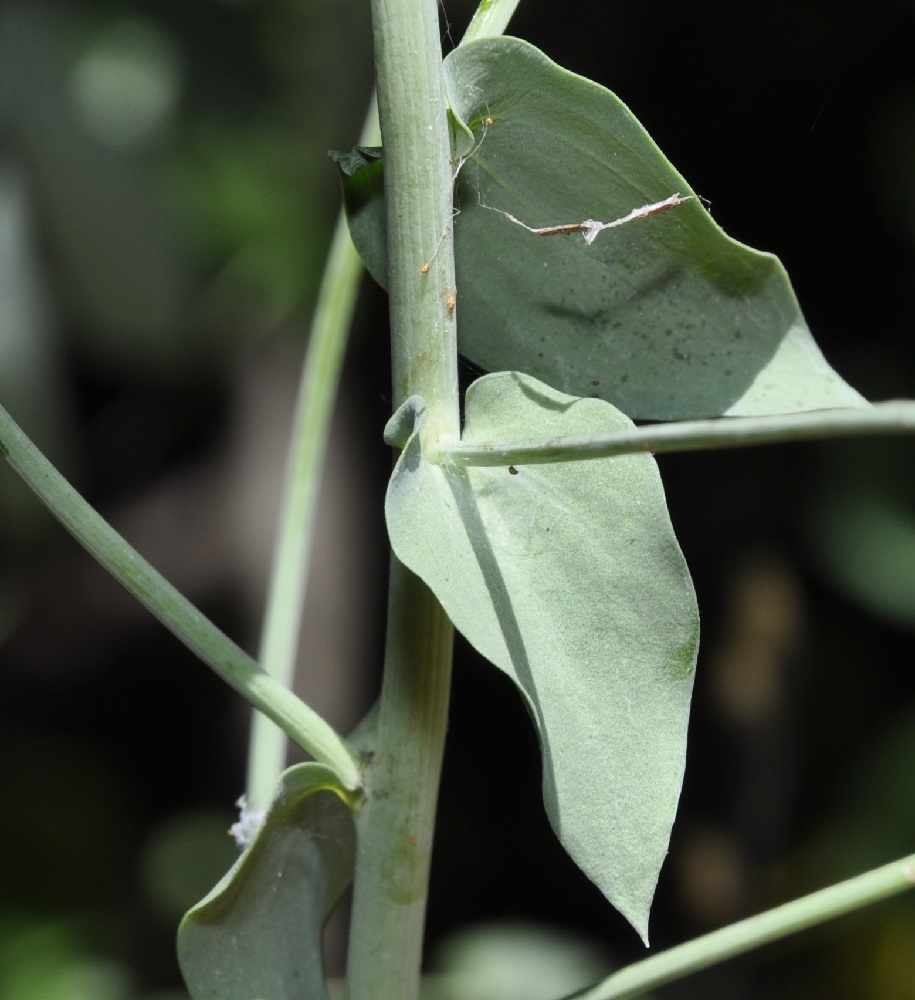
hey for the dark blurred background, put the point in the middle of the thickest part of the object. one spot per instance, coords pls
(165, 205)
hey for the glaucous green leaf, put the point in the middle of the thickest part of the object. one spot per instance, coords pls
(258, 934)
(569, 578)
(666, 316)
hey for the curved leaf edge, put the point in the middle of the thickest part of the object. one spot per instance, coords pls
(765, 265)
(295, 783)
(404, 430)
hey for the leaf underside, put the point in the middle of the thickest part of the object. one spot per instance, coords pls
(568, 578)
(259, 932)
(666, 317)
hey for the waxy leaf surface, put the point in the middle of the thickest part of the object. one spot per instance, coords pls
(258, 934)
(569, 578)
(666, 317)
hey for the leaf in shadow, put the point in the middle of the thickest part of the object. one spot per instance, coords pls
(259, 932)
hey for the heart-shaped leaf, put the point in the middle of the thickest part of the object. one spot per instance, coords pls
(258, 934)
(569, 578)
(666, 316)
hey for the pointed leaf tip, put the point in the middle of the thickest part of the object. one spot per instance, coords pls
(569, 578)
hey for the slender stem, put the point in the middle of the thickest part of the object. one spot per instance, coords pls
(490, 20)
(396, 822)
(735, 939)
(199, 634)
(692, 435)
(291, 559)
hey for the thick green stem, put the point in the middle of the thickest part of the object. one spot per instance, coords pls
(636, 980)
(395, 824)
(419, 208)
(199, 634)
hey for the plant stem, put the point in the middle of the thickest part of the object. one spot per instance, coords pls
(197, 632)
(419, 208)
(395, 824)
(737, 938)
(490, 20)
(692, 435)
(314, 407)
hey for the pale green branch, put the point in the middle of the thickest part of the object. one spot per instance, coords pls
(691, 435)
(291, 559)
(490, 20)
(196, 631)
(817, 908)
